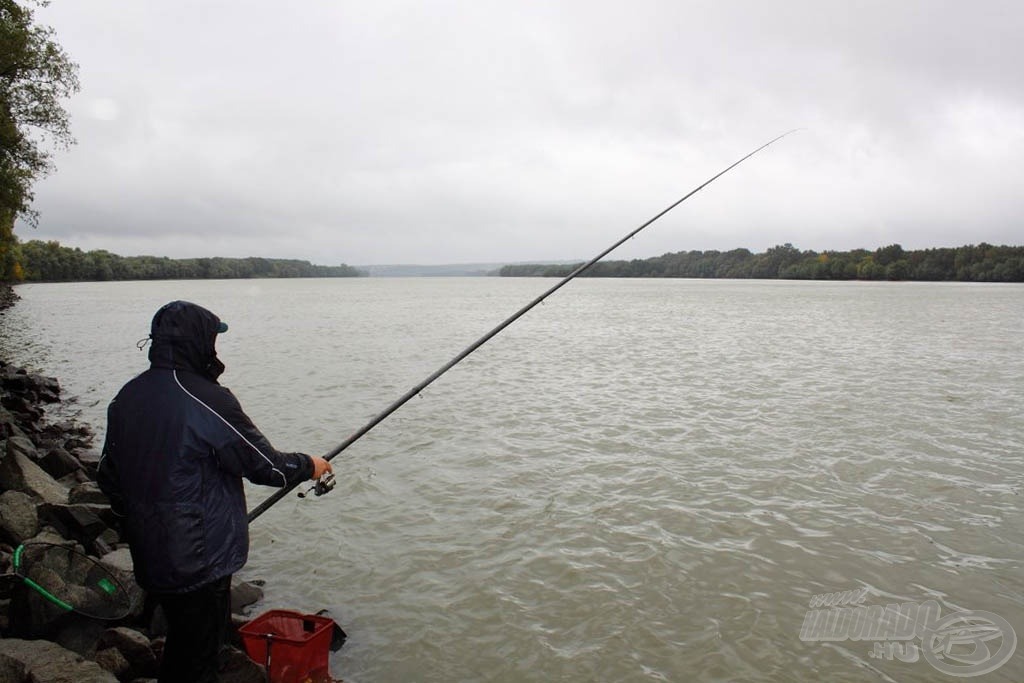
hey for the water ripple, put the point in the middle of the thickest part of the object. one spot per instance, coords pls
(641, 480)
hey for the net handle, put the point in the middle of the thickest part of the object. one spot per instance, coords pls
(42, 591)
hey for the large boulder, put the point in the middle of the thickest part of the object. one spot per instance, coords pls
(23, 445)
(90, 459)
(59, 463)
(244, 593)
(9, 424)
(47, 534)
(236, 667)
(19, 519)
(89, 493)
(82, 523)
(25, 410)
(32, 386)
(14, 379)
(134, 648)
(46, 389)
(46, 662)
(19, 473)
(114, 661)
(79, 634)
(11, 670)
(119, 562)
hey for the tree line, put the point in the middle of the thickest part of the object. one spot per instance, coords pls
(35, 75)
(975, 263)
(38, 261)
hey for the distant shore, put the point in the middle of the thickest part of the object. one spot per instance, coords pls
(970, 263)
(50, 262)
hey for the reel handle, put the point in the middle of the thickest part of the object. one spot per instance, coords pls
(324, 485)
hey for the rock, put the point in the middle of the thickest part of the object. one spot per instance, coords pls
(79, 634)
(19, 519)
(49, 535)
(73, 479)
(23, 407)
(87, 492)
(105, 543)
(90, 460)
(46, 662)
(8, 424)
(11, 670)
(119, 561)
(113, 661)
(59, 463)
(52, 581)
(236, 667)
(14, 379)
(17, 472)
(59, 431)
(243, 594)
(75, 444)
(134, 647)
(46, 388)
(23, 445)
(81, 523)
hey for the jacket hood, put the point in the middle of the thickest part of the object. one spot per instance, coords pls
(184, 335)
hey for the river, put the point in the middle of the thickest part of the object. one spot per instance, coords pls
(639, 480)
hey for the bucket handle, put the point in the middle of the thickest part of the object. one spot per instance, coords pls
(269, 637)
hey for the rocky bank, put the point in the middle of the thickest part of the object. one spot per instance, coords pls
(48, 494)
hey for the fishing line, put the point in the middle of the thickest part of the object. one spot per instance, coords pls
(380, 417)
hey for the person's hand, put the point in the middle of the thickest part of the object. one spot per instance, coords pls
(320, 467)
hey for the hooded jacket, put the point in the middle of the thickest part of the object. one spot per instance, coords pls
(176, 449)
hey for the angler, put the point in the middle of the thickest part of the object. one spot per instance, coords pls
(177, 447)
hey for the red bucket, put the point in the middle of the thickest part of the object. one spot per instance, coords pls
(293, 647)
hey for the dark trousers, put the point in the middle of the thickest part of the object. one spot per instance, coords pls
(196, 626)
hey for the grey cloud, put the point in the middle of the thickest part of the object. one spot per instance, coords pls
(488, 131)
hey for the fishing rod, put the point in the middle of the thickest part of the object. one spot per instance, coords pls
(380, 417)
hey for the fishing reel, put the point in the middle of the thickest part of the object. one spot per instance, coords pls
(325, 484)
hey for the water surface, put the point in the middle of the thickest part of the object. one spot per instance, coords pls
(639, 480)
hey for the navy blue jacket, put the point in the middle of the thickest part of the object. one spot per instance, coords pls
(176, 449)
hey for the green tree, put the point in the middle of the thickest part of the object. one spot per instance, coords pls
(983, 262)
(890, 254)
(898, 270)
(35, 75)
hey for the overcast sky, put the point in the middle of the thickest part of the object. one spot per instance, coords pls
(393, 131)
